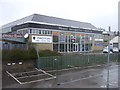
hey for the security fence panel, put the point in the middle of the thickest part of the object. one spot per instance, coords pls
(70, 61)
(113, 57)
(118, 57)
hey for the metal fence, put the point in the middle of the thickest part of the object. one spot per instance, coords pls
(62, 62)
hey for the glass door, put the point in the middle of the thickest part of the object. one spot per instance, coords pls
(75, 47)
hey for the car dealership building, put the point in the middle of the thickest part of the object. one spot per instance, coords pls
(51, 33)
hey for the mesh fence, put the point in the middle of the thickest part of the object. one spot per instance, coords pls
(62, 62)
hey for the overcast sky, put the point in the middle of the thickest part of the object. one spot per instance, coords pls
(100, 13)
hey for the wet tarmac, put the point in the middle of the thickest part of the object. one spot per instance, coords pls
(89, 77)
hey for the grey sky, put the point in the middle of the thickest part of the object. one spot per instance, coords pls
(101, 13)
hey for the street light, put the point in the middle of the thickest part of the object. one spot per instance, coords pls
(108, 58)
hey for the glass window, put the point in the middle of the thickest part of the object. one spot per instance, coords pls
(49, 32)
(24, 31)
(62, 38)
(39, 31)
(19, 32)
(62, 47)
(55, 47)
(34, 31)
(43, 32)
(46, 32)
(77, 39)
(30, 30)
(82, 47)
(86, 47)
(55, 38)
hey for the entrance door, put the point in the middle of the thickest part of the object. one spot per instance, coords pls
(75, 47)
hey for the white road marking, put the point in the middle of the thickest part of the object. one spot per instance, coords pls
(13, 77)
(52, 77)
(23, 72)
(30, 76)
(37, 80)
(45, 72)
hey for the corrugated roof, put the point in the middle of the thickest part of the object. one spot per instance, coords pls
(51, 20)
(19, 21)
(60, 21)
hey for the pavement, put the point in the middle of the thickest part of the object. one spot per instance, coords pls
(89, 77)
(0, 75)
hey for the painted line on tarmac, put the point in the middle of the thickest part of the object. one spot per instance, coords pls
(23, 72)
(46, 73)
(30, 76)
(13, 77)
(53, 77)
(38, 80)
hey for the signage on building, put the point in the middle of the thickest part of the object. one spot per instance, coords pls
(68, 33)
(42, 39)
(98, 43)
(55, 32)
(98, 39)
(77, 34)
(11, 36)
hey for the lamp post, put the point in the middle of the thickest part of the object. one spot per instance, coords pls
(108, 58)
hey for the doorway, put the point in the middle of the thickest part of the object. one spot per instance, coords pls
(75, 47)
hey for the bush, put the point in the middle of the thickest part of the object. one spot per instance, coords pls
(19, 54)
(45, 53)
(32, 54)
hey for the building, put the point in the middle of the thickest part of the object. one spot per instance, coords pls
(119, 16)
(119, 23)
(52, 33)
(114, 42)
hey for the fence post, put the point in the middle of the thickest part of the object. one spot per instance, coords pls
(88, 59)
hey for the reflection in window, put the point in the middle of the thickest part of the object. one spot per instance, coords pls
(49, 32)
(39, 31)
(77, 39)
(45, 32)
(55, 47)
(61, 47)
(55, 38)
(30, 30)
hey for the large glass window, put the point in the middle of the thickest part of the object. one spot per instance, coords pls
(77, 39)
(55, 38)
(61, 47)
(62, 38)
(55, 47)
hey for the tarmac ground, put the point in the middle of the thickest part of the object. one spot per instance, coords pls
(76, 77)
